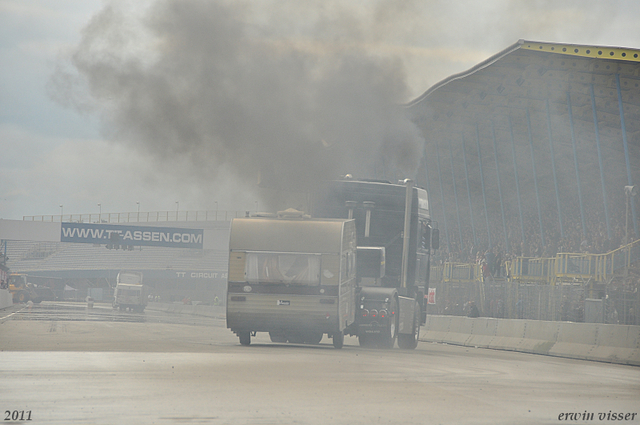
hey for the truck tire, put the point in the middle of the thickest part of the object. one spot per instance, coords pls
(312, 338)
(388, 337)
(23, 296)
(364, 340)
(245, 337)
(410, 341)
(390, 334)
(295, 337)
(277, 337)
(338, 339)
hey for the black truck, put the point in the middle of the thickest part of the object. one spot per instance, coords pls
(395, 237)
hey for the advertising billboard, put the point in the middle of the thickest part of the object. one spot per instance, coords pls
(169, 237)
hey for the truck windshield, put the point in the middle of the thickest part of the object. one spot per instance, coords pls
(273, 267)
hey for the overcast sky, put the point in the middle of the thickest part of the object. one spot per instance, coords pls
(74, 73)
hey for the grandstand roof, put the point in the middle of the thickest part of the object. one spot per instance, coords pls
(520, 70)
(564, 117)
(526, 75)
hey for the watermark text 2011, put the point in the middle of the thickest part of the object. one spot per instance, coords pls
(17, 415)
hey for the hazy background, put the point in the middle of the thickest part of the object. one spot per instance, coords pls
(197, 102)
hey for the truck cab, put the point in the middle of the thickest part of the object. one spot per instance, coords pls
(395, 238)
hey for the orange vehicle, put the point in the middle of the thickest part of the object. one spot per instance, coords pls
(24, 291)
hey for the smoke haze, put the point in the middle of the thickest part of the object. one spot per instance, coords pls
(205, 98)
(204, 85)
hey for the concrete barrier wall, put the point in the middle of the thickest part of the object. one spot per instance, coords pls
(588, 341)
(539, 336)
(509, 335)
(482, 332)
(459, 330)
(6, 299)
(614, 342)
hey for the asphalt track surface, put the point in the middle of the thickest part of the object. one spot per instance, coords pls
(61, 363)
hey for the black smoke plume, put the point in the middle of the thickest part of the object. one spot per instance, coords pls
(209, 85)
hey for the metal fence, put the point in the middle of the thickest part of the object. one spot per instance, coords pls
(552, 289)
(141, 217)
(537, 301)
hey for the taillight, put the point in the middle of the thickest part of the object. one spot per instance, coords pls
(374, 313)
(365, 312)
(383, 314)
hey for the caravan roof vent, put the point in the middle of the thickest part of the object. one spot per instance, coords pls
(292, 213)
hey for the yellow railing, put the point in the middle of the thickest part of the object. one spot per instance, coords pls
(532, 269)
(460, 272)
(562, 267)
(599, 267)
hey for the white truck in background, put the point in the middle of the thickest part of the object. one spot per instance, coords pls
(130, 293)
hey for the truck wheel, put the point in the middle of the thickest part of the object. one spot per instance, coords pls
(364, 340)
(338, 340)
(313, 338)
(277, 337)
(388, 337)
(23, 297)
(245, 338)
(390, 333)
(410, 341)
(295, 338)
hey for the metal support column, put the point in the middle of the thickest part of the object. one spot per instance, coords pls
(504, 223)
(484, 196)
(575, 160)
(553, 167)
(597, 130)
(535, 177)
(466, 175)
(455, 194)
(515, 171)
(626, 152)
(444, 210)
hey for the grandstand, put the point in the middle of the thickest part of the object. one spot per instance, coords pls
(528, 153)
(529, 158)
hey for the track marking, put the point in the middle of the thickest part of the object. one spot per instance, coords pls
(15, 312)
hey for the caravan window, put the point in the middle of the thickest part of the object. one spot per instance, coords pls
(273, 267)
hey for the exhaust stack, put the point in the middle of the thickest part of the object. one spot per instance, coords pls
(406, 232)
